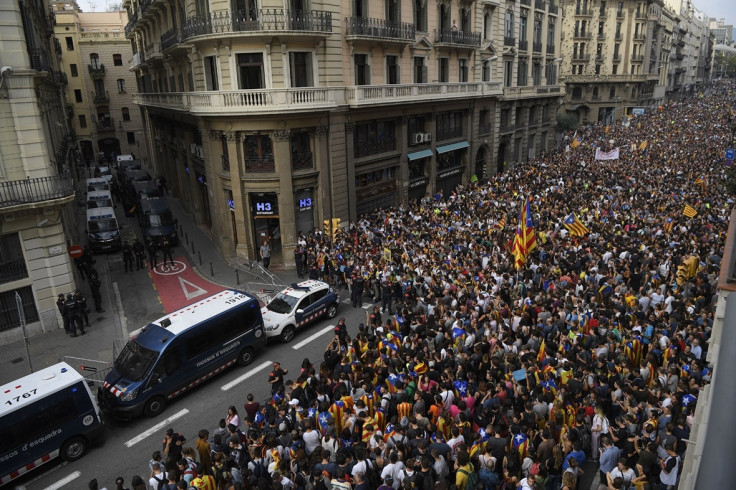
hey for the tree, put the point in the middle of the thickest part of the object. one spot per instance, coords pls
(566, 122)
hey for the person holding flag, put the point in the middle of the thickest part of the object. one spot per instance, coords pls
(525, 239)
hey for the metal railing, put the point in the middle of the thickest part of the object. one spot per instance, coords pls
(101, 98)
(528, 3)
(13, 270)
(92, 370)
(452, 36)
(302, 160)
(260, 164)
(584, 12)
(581, 58)
(553, 9)
(539, 4)
(107, 124)
(39, 59)
(509, 41)
(637, 58)
(449, 133)
(28, 191)
(257, 21)
(523, 45)
(374, 147)
(379, 28)
(96, 71)
(537, 47)
(169, 38)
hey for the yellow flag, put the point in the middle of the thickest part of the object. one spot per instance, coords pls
(689, 211)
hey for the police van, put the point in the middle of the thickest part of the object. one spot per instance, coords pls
(48, 414)
(99, 199)
(103, 232)
(97, 184)
(156, 220)
(175, 353)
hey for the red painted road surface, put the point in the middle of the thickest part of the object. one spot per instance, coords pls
(179, 285)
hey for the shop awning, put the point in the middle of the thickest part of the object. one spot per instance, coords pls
(576, 107)
(419, 154)
(454, 146)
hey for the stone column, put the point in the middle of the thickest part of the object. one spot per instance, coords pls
(287, 220)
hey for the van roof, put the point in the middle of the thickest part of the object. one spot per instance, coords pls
(137, 174)
(154, 205)
(99, 195)
(123, 157)
(100, 213)
(191, 315)
(45, 381)
(96, 181)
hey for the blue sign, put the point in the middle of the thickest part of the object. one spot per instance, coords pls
(730, 154)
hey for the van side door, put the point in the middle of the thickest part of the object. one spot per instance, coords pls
(167, 374)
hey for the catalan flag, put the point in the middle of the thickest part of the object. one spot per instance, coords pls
(669, 353)
(700, 181)
(501, 223)
(337, 410)
(689, 211)
(643, 145)
(575, 143)
(669, 224)
(524, 241)
(323, 419)
(542, 351)
(460, 388)
(575, 226)
(608, 128)
(520, 442)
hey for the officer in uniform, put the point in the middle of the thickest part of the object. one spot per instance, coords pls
(94, 285)
(139, 251)
(128, 257)
(386, 294)
(75, 319)
(166, 248)
(152, 253)
(276, 377)
(61, 304)
(357, 295)
(82, 306)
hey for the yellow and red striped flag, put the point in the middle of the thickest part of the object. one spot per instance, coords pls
(542, 352)
(700, 181)
(525, 240)
(575, 143)
(575, 226)
(689, 211)
(643, 145)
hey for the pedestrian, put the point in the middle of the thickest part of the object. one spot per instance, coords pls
(94, 285)
(82, 305)
(152, 253)
(139, 251)
(166, 250)
(128, 257)
(265, 253)
(61, 304)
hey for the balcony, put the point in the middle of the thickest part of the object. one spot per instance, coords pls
(105, 125)
(382, 95)
(550, 49)
(169, 39)
(616, 57)
(528, 3)
(225, 160)
(537, 47)
(39, 59)
(602, 14)
(259, 164)
(539, 5)
(509, 41)
(260, 22)
(132, 21)
(640, 37)
(153, 51)
(523, 45)
(580, 58)
(450, 36)
(364, 27)
(619, 14)
(618, 36)
(583, 12)
(96, 71)
(583, 35)
(553, 9)
(38, 190)
(637, 58)
(301, 161)
(101, 98)
(114, 36)
(374, 147)
(528, 91)
(639, 15)
(449, 133)
(12, 270)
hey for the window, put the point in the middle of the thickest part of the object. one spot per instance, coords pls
(9, 317)
(551, 74)
(100, 87)
(420, 71)
(465, 25)
(78, 95)
(615, 50)
(121, 85)
(420, 15)
(486, 71)
(300, 67)
(521, 76)
(597, 69)
(487, 24)
(374, 137)
(392, 69)
(94, 61)
(620, 9)
(595, 93)
(250, 71)
(362, 69)
(301, 152)
(523, 27)
(443, 69)
(40, 418)
(551, 34)
(360, 8)
(462, 70)
(393, 11)
(210, 73)
(538, 32)
(537, 73)
(258, 152)
(82, 121)
(73, 69)
(200, 343)
(126, 114)
(577, 93)
(131, 137)
(449, 125)
(614, 71)
(117, 60)
(612, 93)
(414, 125)
(12, 262)
(508, 73)
(69, 43)
(509, 24)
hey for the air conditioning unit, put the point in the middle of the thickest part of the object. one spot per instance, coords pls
(427, 137)
(417, 138)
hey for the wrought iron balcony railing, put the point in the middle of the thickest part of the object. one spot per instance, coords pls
(29, 191)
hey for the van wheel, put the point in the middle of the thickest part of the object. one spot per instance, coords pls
(331, 311)
(74, 448)
(287, 334)
(246, 356)
(154, 406)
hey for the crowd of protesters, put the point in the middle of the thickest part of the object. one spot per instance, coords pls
(469, 372)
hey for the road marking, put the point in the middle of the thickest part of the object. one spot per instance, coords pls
(123, 318)
(312, 337)
(64, 481)
(346, 301)
(156, 428)
(193, 292)
(247, 375)
(367, 306)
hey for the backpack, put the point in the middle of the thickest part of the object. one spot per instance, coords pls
(412, 479)
(160, 483)
(489, 478)
(372, 477)
(260, 471)
(473, 480)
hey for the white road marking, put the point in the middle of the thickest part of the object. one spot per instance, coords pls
(64, 481)
(312, 337)
(191, 293)
(346, 301)
(156, 428)
(247, 375)
(123, 318)
(367, 306)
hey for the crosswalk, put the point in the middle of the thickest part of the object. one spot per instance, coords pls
(366, 306)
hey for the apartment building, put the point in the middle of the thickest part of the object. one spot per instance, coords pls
(612, 57)
(269, 116)
(36, 150)
(96, 57)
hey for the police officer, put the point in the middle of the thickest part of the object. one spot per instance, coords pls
(61, 304)
(152, 253)
(276, 377)
(128, 256)
(298, 255)
(94, 285)
(82, 307)
(75, 320)
(386, 297)
(139, 251)
(357, 295)
(166, 248)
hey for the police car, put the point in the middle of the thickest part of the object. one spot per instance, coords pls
(297, 306)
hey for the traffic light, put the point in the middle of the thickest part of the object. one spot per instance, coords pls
(335, 227)
(326, 227)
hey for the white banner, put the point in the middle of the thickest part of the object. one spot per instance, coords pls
(606, 155)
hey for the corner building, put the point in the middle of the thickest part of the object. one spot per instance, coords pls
(268, 117)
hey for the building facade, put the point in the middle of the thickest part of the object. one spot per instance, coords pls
(96, 57)
(269, 117)
(36, 187)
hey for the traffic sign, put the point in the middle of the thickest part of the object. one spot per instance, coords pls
(75, 251)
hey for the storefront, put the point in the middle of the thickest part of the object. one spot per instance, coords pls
(375, 189)
(418, 165)
(304, 210)
(264, 208)
(450, 166)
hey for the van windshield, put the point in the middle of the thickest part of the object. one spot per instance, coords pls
(135, 361)
(282, 303)
(102, 225)
(99, 203)
(163, 219)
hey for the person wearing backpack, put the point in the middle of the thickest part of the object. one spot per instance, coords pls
(466, 478)
(158, 477)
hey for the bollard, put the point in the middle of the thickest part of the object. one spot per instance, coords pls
(212, 271)
(237, 277)
(192, 247)
(186, 237)
(200, 257)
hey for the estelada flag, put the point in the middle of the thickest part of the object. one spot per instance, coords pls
(643, 145)
(689, 211)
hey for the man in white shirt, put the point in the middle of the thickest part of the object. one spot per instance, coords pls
(393, 469)
(158, 475)
(311, 437)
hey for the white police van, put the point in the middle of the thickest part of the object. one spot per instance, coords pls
(97, 184)
(103, 232)
(297, 306)
(99, 199)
